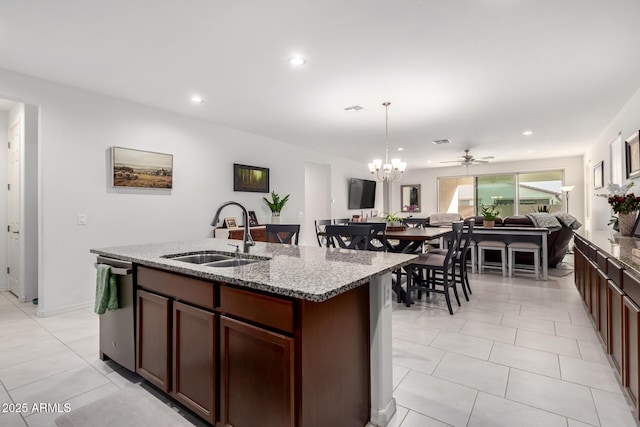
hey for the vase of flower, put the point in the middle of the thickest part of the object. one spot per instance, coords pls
(626, 221)
(625, 204)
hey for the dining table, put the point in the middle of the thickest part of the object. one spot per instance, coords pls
(410, 240)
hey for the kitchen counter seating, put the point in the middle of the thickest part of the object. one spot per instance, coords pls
(212, 338)
(557, 240)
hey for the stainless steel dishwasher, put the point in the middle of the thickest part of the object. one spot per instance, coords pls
(117, 327)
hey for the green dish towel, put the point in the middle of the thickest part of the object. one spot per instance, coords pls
(106, 290)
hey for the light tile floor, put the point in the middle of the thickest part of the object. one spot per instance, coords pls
(521, 352)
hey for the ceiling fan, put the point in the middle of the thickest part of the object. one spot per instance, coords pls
(468, 159)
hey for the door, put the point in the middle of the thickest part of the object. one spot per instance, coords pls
(154, 317)
(194, 359)
(13, 211)
(257, 373)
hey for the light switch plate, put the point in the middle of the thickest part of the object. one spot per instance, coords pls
(82, 219)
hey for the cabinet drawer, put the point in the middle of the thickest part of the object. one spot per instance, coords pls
(259, 308)
(198, 292)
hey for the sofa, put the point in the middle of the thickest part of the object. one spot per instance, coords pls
(558, 240)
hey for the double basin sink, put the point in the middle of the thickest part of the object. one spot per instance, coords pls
(214, 259)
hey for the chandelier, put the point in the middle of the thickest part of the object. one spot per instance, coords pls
(388, 171)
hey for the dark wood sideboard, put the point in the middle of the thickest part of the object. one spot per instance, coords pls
(608, 279)
(258, 233)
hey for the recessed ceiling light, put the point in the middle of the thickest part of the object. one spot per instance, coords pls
(428, 161)
(400, 149)
(529, 151)
(527, 132)
(297, 60)
(196, 99)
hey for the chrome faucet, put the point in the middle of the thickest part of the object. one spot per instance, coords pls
(247, 240)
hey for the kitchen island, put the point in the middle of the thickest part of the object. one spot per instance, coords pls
(298, 336)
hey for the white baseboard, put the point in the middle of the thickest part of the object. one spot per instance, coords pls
(63, 309)
(381, 418)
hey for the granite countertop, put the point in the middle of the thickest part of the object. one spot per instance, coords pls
(616, 246)
(305, 272)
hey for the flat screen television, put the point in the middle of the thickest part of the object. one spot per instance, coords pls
(362, 193)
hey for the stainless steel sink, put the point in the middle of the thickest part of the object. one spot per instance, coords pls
(233, 262)
(201, 258)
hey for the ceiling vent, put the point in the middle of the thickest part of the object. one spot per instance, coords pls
(354, 108)
(442, 141)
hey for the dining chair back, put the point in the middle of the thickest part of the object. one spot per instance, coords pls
(348, 236)
(283, 233)
(320, 228)
(415, 222)
(342, 221)
(377, 236)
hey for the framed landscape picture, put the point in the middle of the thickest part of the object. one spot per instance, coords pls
(141, 169)
(250, 178)
(598, 175)
(632, 153)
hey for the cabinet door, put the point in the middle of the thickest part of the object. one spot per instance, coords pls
(194, 364)
(578, 269)
(257, 376)
(630, 341)
(153, 339)
(603, 321)
(614, 313)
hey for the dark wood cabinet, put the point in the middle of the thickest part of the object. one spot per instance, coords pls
(194, 359)
(257, 376)
(241, 357)
(153, 341)
(603, 321)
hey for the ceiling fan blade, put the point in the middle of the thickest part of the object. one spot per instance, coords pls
(487, 157)
(480, 161)
(452, 161)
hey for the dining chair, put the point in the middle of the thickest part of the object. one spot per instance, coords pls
(431, 270)
(341, 221)
(283, 233)
(462, 258)
(415, 222)
(377, 236)
(348, 236)
(320, 226)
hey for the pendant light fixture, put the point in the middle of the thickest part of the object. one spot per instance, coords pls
(389, 171)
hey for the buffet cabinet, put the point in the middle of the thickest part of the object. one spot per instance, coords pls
(612, 297)
(240, 357)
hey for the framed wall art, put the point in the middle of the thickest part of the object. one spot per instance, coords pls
(253, 219)
(230, 222)
(141, 169)
(598, 175)
(632, 154)
(250, 178)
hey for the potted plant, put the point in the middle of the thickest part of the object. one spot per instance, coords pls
(393, 220)
(489, 213)
(275, 205)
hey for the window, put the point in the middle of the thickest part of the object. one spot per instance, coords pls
(513, 194)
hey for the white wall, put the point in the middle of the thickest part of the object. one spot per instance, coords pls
(317, 181)
(572, 167)
(4, 131)
(77, 129)
(626, 122)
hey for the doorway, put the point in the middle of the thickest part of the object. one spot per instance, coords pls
(317, 198)
(13, 209)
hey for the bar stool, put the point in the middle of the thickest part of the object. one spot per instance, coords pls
(524, 247)
(493, 245)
